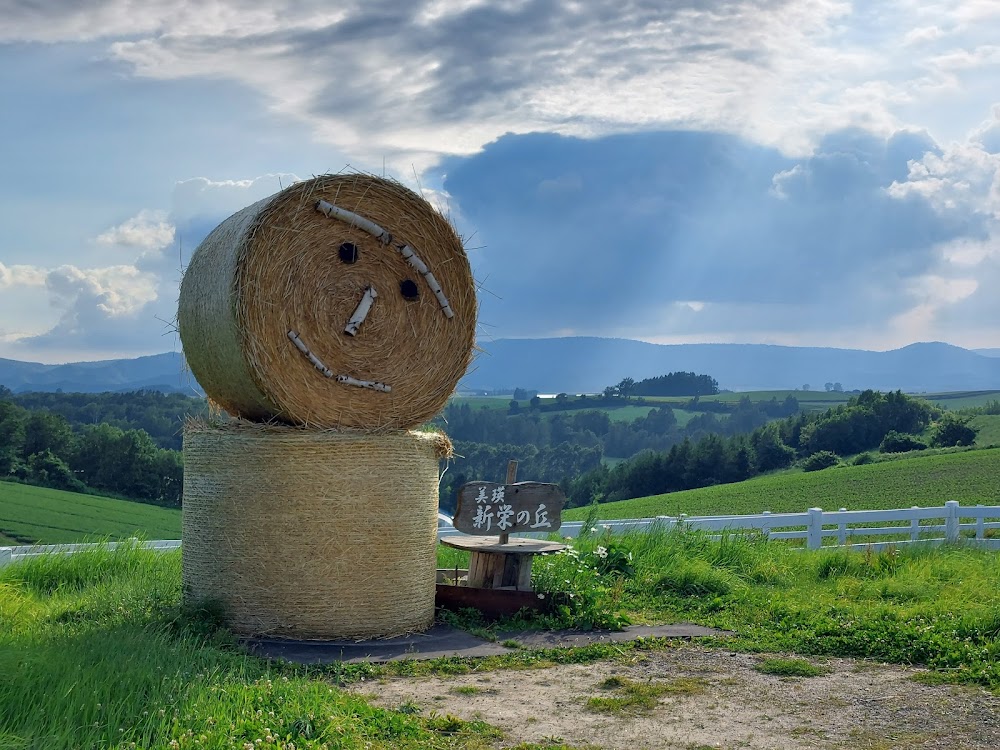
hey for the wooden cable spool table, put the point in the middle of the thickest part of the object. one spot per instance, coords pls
(496, 565)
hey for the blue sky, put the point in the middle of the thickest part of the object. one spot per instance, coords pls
(811, 172)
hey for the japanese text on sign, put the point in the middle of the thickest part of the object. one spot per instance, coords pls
(485, 508)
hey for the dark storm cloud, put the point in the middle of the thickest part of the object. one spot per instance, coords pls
(593, 234)
(490, 52)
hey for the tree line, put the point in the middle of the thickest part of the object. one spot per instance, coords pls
(860, 425)
(41, 446)
(158, 414)
(658, 430)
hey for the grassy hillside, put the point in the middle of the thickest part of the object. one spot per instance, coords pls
(36, 514)
(961, 399)
(989, 429)
(970, 477)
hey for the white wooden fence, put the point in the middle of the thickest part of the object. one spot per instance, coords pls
(819, 528)
(13, 554)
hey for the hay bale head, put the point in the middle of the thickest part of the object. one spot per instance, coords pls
(342, 301)
(305, 533)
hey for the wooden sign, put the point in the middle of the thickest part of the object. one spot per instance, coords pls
(485, 508)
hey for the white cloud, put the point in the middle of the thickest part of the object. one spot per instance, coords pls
(61, 22)
(148, 230)
(963, 177)
(201, 197)
(410, 81)
(113, 292)
(413, 82)
(933, 294)
(22, 275)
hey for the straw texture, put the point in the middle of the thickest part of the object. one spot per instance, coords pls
(305, 533)
(277, 267)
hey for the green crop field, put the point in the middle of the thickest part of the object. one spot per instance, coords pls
(970, 477)
(483, 402)
(961, 399)
(39, 515)
(831, 398)
(808, 400)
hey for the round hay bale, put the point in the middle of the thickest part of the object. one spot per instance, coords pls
(342, 301)
(305, 533)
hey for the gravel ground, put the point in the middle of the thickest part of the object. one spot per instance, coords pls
(718, 700)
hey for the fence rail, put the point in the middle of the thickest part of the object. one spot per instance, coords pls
(815, 526)
(842, 528)
(13, 554)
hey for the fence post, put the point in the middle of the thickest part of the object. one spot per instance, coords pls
(765, 528)
(980, 522)
(842, 531)
(814, 537)
(6, 556)
(951, 521)
(914, 526)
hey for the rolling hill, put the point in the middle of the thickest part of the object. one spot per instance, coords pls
(160, 372)
(30, 515)
(590, 364)
(971, 477)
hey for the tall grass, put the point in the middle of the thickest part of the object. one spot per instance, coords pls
(95, 652)
(934, 606)
(971, 477)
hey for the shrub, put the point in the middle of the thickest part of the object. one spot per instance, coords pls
(49, 470)
(952, 431)
(820, 460)
(898, 442)
(863, 458)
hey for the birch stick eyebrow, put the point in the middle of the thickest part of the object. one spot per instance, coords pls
(383, 236)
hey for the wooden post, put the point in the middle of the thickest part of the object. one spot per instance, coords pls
(814, 537)
(952, 525)
(511, 478)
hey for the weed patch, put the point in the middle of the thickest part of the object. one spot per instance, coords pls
(632, 697)
(790, 668)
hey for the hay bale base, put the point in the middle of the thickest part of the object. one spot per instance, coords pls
(311, 534)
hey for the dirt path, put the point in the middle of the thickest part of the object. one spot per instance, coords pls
(714, 699)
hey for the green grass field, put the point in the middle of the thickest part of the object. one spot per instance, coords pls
(989, 429)
(31, 515)
(484, 402)
(96, 650)
(961, 399)
(970, 477)
(808, 400)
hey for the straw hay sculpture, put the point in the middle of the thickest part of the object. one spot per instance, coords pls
(343, 301)
(327, 320)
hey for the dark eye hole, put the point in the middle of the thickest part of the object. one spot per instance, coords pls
(408, 289)
(348, 252)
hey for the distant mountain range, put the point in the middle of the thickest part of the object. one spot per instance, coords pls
(590, 364)
(159, 372)
(581, 364)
